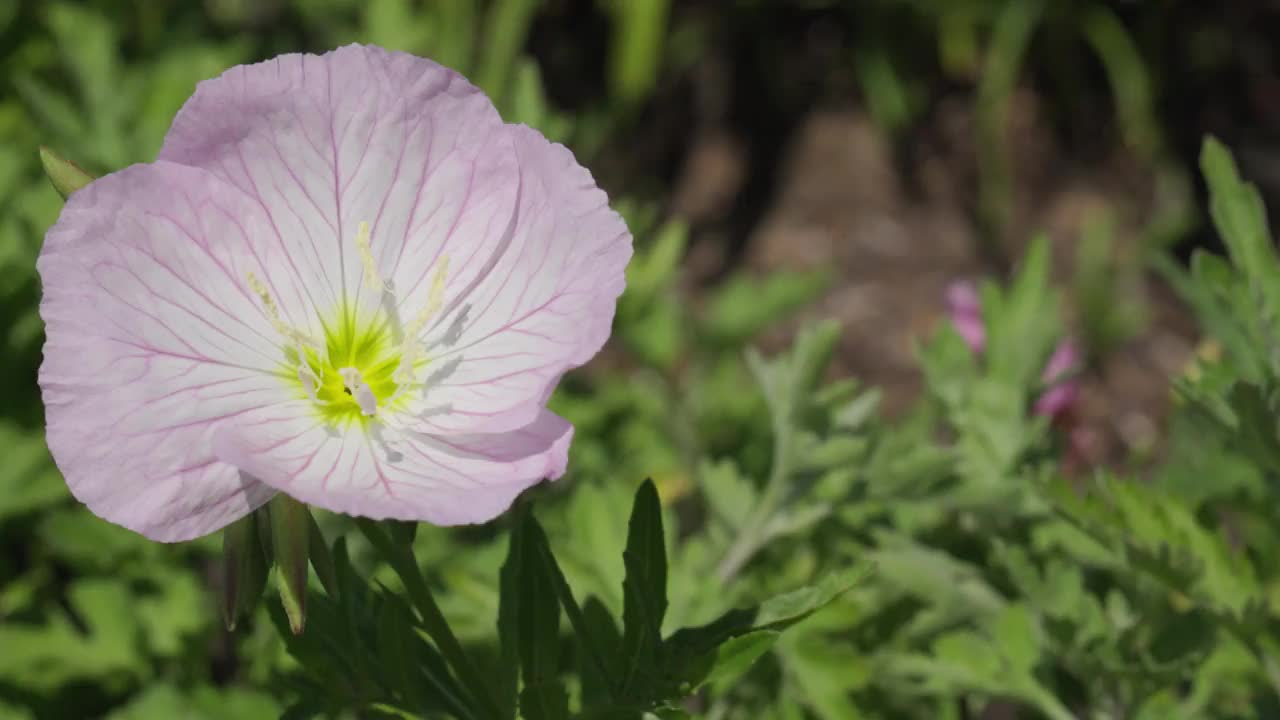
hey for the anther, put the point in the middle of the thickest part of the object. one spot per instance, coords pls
(310, 381)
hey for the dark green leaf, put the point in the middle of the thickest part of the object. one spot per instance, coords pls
(644, 589)
(529, 616)
(544, 701)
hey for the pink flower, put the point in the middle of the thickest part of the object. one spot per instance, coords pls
(966, 314)
(345, 279)
(1062, 392)
(965, 309)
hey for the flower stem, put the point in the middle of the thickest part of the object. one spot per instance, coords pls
(433, 621)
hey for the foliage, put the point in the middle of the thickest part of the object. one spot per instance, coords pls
(921, 566)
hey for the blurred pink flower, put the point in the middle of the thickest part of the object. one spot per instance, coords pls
(1062, 392)
(965, 309)
(966, 314)
(346, 279)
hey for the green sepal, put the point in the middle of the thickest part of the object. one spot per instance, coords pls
(244, 568)
(291, 538)
(66, 176)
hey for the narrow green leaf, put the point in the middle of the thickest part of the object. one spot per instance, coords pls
(528, 619)
(401, 559)
(639, 32)
(599, 641)
(544, 701)
(506, 28)
(596, 633)
(290, 536)
(539, 616)
(644, 588)
(321, 559)
(736, 655)
(66, 176)
(509, 617)
(402, 533)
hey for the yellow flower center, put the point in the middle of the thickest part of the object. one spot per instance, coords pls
(358, 370)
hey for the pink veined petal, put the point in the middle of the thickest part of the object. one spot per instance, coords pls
(395, 473)
(153, 337)
(546, 306)
(359, 134)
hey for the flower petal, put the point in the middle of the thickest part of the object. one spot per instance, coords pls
(153, 337)
(394, 473)
(359, 134)
(545, 307)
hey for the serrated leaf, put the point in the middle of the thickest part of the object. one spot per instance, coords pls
(692, 655)
(1237, 212)
(736, 655)
(529, 619)
(599, 643)
(644, 589)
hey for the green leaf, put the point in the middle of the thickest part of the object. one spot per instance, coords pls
(506, 28)
(693, 656)
(599, 641)
(402, 560)
(529, 620)
(639, 31)
(644, 589)
(736, 655)
(321, 559)
(1238, 213)
(743, 306)
(29, 481)
(544, 701)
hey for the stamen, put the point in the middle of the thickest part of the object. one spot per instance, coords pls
(362, 393)
(371, 275)
(310, 381)
(273, 313)
(411, 350)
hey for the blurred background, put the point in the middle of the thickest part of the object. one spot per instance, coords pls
(779, 161)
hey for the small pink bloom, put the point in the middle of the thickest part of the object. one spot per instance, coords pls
(965, 309)
(1062, 392)
(966, 314)
(346, 279)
